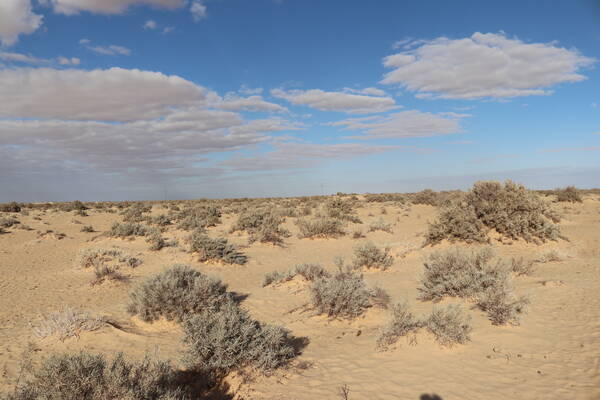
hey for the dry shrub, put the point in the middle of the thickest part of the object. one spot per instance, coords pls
(126, 229)
(215, 249)
(263, 226)
(157, 242)
(13, 206)
(370, 256)
(94, 257)
(73, 206)
(87, 229)
(320, 228)
(199, 217)
(66, 323)
(342, 295)
(402, 323)
(512, 210)
(549, 256)
(86, 376)
(177, 293)
(229, 339)
(107, 273)
(569, 194)
(380, 225)
(8, 222)
(339, 208)
(310, 272)
(457, 273)
(449, 325)
(385, 197)
(521, 267)
(358, 235)
(427, 197)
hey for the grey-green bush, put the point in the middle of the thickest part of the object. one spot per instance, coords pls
(402, 323)
(342, 295)
(309, 272)
(230, 339)
(215, 249)
(321, 228)
(126, 229)
(449, 325)
(177, 293)
(370, 256)
(569, 194)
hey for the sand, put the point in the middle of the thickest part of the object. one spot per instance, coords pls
(553, 354)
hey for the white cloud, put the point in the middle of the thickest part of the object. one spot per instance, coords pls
(483, 66)
(168, 29)
(336, 101)
(290, 155)
(114, 94)
(21, 58)
(69, 61)
(70, 7)
(17, 18)
(198, 10)
(150, 24)
(233, 102)
(250, 91)
(403, 124)
(371, 91)
(110, 50)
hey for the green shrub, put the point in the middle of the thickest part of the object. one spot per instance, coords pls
(86, 376)
(215, 249)
(568, 194)
(230, 339)
(370, 256)
(449, 325)
(402, 323)
(320, 228)
(175, 294)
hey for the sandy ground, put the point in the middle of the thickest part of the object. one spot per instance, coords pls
(553, 354)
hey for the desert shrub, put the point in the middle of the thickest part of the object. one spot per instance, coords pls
(322, 228)
(385, 197)
(94, 257)
(176, 293)
(309, 272)
(230, 339)
(370, 256)
(157, 242)
(263, 226)
(449, 325)
(199, 217)
(501, 304)
(402, 323)
(549, 256)
(380, 225)
(513, 211)
(8, 222)
(380, 298)
(521, 267)
(458, 273)
(358, 235)
(568, 194)
(85, 376)
(342, 209)
(160, 220)
(215, 249)
(427, 196)
(13, 206)
(123, 230)
(68, 322)
(73, 206)
(342, 295)
(87, 228)
(107, 273)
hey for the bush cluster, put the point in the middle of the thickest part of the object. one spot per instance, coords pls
(320, 228)
(510, 209)
(310, 272)
(342, 209)
(199, 217)
(263, 226)
(370, 256)
(342, 295)
(126, 229)
(215, 249)
(569, 194)
(13, 207)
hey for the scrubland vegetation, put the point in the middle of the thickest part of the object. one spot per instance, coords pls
(461, 255)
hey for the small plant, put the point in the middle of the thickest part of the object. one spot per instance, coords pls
(310, 272)
(215, 249)
(175, 294)
(262, 225)
(521, 267)
(124, 230)
(380, 225)
(339, 208)
(107, 273)
(320, 228)
(87, 228)
(370, 256)
(501, 305)
(343, 295)
(549, 256)
(94, 257)
(402, 323)
(13, 207)
(358, 235)
(157, 242)
(92, 377)
(449, 325)
(230, 339)
(569, 194)
(67, 323)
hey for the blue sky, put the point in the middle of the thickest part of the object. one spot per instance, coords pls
(129, 99)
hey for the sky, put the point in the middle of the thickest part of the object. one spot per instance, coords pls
(181, 99)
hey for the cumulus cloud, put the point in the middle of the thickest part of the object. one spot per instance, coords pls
(250, 91)
(483, 66)
(17, 18)
(70, 7)
(336, 101)
(69, 61)
(21, 58)
(403, 124)
(113, 94)
(150, 24)
(291, 155)
(252, 103)
(110, 50)
(371, 91)
(198, 10)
